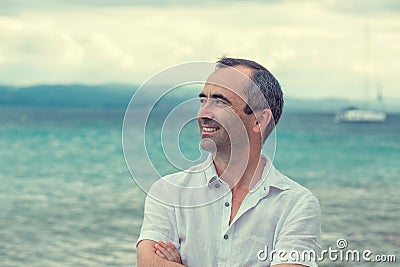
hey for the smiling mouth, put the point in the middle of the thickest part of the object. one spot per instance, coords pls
(209, 129)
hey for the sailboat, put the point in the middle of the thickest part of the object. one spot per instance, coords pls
(355, 114)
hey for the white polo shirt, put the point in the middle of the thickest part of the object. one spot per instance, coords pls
(276, 215)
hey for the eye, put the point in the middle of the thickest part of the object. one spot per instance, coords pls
(220, 102)
(203, 100)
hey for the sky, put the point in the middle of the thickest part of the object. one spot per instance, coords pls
(316, 49)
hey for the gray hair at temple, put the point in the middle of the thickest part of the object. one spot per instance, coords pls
(264, 81)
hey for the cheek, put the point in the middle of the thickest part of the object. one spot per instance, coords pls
(246, 125)
(236, 125)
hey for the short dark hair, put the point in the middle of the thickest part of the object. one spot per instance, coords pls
(266, 83)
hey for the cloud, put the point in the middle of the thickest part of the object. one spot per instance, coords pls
(363, 7)
(353, 6)
(314, 51)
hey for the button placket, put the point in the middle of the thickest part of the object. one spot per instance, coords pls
(226, 211)
(227, 244)
(225, 229)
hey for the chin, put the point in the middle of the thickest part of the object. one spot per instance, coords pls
(207, 144)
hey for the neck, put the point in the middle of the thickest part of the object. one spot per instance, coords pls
(240, 170)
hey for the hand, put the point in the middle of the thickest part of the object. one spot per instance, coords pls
(167, 251)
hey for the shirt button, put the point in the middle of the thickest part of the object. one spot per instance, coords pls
(217, 185)
(226, 236)
(226, 204)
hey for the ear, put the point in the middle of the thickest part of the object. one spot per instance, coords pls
(263, 118)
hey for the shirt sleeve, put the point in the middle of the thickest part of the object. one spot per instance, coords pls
(159, 222)
(298, 241)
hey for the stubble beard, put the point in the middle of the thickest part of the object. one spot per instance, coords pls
(219, 147)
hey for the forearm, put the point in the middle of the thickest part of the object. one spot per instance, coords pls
(155, 261)
(146, 256)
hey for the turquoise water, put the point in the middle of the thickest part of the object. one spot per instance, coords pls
(67, 198)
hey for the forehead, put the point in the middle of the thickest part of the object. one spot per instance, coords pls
(229, 81)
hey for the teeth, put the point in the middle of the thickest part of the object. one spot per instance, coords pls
(208, 129)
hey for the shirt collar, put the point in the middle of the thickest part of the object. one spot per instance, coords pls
(210, 172)
(271, 177)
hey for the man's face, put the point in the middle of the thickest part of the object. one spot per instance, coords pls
(221, 116)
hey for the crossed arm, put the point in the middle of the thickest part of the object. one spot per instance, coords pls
(151, 253)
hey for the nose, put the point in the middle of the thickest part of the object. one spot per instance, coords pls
(206, 111)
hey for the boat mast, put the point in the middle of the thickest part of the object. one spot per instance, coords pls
(367, 65)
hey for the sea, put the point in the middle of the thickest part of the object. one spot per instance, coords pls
(67, 197)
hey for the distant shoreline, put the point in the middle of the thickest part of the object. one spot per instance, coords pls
(114, 96)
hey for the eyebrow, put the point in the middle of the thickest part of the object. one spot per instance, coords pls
(217, 96)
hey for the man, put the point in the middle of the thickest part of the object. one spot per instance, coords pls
(244, 208)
